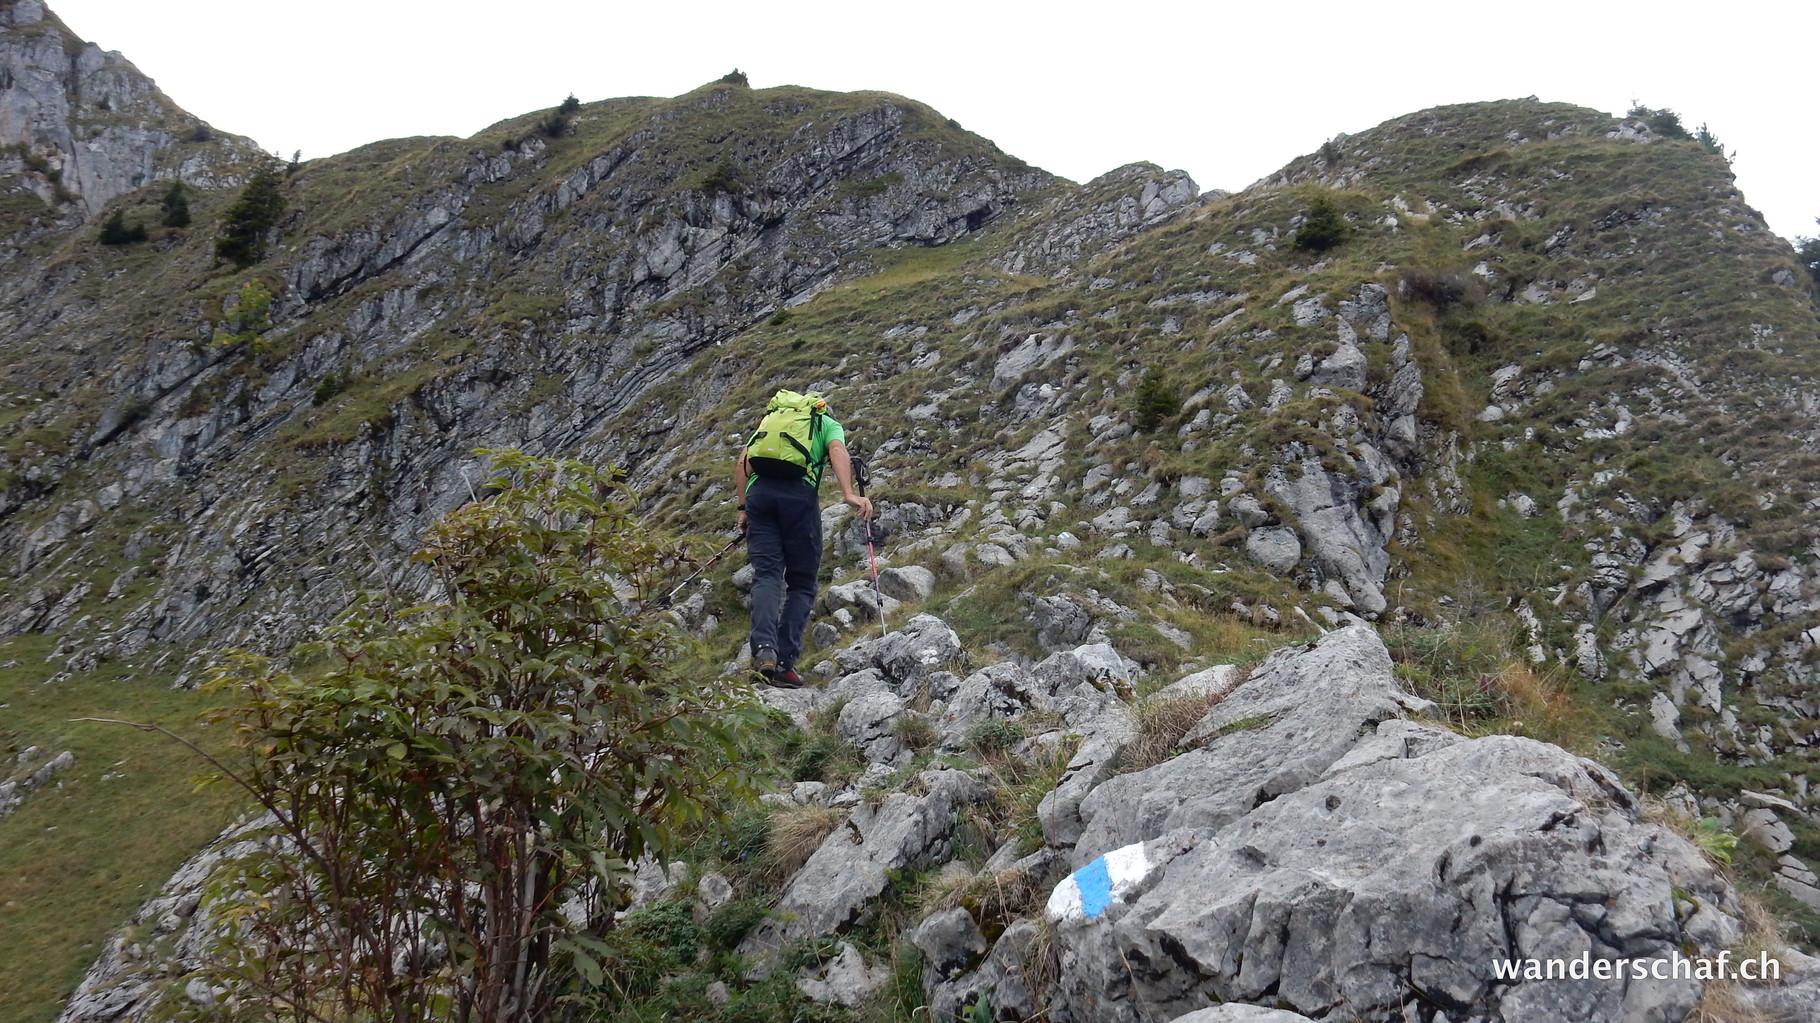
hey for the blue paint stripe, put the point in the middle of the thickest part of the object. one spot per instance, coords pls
(1095, 883)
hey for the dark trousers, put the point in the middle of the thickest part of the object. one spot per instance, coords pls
(784, 541)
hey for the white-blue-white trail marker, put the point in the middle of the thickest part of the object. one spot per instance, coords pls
(1091, 890)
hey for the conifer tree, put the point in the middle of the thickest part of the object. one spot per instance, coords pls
(1807, 250)
(243, 231)
(176, 206)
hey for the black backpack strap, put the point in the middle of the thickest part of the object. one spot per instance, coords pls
(815, 426)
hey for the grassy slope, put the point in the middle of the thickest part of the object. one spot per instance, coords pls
(83, 852)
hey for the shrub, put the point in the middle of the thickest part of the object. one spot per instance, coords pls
(734, 77)
(1322, 227)
(993, 735)
(727, 926)
(244, 229)
(554, 126)
(1663, 122)
(462, 790)
(1711, 142)
(248, 318)
(116, 231)
(327, 388)
(569, 105)
(725, 177)
(1440, 289)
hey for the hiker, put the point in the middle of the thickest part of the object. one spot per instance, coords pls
(777, 478)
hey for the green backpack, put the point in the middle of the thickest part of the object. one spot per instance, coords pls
(780, 447)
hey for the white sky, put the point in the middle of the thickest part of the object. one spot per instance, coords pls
(1227, 92)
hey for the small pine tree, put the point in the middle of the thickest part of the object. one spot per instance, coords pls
(569, 105)
(258, 210)
(116, 231)
(1706, 138)
(1322, 227)
(734, 77)
(176, 206)
(1155, 401)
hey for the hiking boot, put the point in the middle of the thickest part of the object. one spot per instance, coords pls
(764, 661)
(786, 678)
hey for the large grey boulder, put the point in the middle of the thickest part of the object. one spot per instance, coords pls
(1344, 368)
(1275, 548)
(1002, 982)
(1094, 760)
(1345, 864)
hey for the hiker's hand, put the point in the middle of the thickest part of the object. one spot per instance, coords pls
(739, 523)
(860, 504)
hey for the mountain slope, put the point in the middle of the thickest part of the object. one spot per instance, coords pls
(1539, 402)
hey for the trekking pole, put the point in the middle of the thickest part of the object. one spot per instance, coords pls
(664, 601)
(860, 478)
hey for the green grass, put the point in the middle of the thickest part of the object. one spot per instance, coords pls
(81, 854)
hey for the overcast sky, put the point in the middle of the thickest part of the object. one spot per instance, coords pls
(1227, 92)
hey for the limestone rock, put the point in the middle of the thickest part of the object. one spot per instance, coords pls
(1268, 879)
(1327, 507)
(906, 582)
(1344, 368)
(951, 944)
(846, 980)
(1275, 548)
(1241, 1012)
(843, 879)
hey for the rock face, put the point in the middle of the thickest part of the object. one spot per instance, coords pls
(95, 125)
(1338, 860)
(168, 937)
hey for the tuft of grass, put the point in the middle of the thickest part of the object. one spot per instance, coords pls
(796, 832)
(1162, 723)
(1016, 786)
